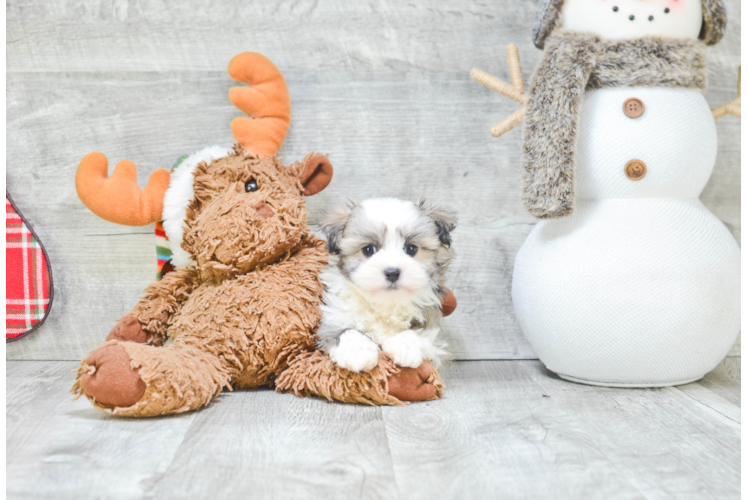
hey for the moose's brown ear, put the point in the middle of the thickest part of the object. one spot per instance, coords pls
(317, 174)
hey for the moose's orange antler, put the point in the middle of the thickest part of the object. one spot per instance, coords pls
(119, 199)
(267, 101)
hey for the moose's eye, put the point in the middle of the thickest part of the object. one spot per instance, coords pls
(369, 250)
(411, 250)
(251, 186)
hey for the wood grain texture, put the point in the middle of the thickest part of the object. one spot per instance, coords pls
(267, 445)
(514, 428)
(725, 380)
(27, 380)
(506, 429)
(383, 87)
(58, 448)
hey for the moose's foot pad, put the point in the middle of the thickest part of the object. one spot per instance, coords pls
(111, 380)
(414, 384)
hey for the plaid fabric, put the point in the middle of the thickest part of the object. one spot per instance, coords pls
(27, 278)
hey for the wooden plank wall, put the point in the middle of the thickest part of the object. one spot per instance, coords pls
(382, 86)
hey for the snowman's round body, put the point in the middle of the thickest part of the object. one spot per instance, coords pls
(640, 286)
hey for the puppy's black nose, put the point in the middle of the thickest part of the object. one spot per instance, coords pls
(392, 274)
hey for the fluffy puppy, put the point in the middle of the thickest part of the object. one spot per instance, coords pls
(384, 282)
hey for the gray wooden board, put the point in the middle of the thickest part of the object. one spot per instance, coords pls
(516, 429)
(58, 448)
(383, 87)
(506, 429)
(271, 445)
(725, 380)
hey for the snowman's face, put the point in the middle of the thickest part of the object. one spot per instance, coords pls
(630, 19)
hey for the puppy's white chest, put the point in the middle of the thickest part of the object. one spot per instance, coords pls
(381, 328)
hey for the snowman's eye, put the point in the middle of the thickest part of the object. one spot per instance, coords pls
(651, 18)
(667, 10)
(615, 9)
(631, 18)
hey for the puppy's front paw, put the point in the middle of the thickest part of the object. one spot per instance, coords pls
(405, 348)
(355, 352)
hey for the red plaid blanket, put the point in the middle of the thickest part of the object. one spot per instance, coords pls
(28, 290)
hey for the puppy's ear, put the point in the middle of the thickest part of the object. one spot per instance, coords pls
(445, 220)
(316, 175)
(333, 225)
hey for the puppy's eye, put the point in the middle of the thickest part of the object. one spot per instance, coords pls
(369, 250)
(251, 186)
(411, 250)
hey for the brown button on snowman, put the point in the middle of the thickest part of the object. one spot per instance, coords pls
(627, 279)
(633, 108)
(635, 170)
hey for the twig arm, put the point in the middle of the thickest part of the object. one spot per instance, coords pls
(732, 108)
(514, 91)
(508, 123)
(515, 68)
(499, 86)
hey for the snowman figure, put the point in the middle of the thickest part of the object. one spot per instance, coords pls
(627, 279)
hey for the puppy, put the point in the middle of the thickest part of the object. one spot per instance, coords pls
(383, 285)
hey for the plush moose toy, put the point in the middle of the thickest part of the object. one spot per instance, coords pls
(242, 305)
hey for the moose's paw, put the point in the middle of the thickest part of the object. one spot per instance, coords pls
(112, 381)
(355, 352)
(129, 329)
(412, 384)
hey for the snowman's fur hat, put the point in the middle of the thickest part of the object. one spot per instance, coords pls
(549, 16)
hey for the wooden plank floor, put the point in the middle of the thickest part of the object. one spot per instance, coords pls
(506, 429)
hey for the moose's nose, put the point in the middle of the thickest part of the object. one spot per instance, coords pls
(264, 210)
(392, 274)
